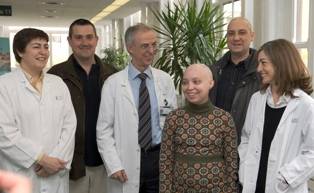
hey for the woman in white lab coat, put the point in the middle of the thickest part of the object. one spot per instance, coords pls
(37, 119)
(277, 143)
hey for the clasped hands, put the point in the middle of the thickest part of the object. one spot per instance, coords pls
(120, 176)
(48, 165)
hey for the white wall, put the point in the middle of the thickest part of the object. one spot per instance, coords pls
(272, 20)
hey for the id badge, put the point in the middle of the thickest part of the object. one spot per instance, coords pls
(165, 110)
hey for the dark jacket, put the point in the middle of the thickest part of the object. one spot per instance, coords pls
(249, 84)
(67, 72)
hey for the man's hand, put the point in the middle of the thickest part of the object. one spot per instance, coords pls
(13, 183)
(120, 175)
(40, 171)
(51, 165)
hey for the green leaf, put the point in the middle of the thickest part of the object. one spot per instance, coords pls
(189, 34)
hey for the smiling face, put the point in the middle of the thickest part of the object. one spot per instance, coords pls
(83, 42)
(265, 68)
(35, 56)
(196, 83)
(239, 36)
(143, 49)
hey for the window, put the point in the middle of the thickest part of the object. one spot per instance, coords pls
(231, 9)
(132, 19)
(304, 55)
(301, 28)
(59, 49)
(301, 20)
(58, 45)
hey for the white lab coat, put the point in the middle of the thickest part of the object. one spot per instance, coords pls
(292, 150)
(31, 125)
(117, 126)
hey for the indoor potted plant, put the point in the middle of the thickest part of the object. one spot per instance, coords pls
(189, 34)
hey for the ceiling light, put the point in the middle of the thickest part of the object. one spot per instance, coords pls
(48, 16)
(50, 11)
(52, 3)
(109, 9)
(120, 2)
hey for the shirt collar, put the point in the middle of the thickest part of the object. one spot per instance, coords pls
(30, 78)
(133, 72)
(282, 102)
(78, 66)
(245, 62)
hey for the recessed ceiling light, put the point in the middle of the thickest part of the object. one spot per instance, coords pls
(50, 11)
(52, 3)
(48, 16)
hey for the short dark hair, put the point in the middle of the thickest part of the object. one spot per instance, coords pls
(132, 30)
(81, 22)
(290, 70)
(24, 37)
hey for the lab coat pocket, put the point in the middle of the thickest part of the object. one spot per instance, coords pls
(280, 186)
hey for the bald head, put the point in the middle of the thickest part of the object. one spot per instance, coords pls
(199, 69)
(239, 38)
(197, 82)
(242, 20)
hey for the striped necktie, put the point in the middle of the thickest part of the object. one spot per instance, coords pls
(144, 114)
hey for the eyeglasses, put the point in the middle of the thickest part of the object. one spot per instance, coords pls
(147, 47)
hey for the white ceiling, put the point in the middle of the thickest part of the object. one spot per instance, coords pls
(35, 13)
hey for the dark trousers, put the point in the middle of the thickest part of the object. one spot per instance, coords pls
(149, 180)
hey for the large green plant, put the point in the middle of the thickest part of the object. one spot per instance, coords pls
(116, 57)
(189, 34)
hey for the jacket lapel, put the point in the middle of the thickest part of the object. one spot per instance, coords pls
(126, 88)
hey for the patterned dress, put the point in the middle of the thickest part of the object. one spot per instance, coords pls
(199, 151)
